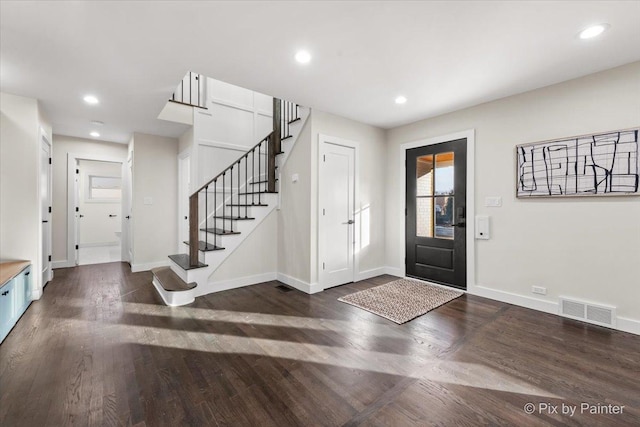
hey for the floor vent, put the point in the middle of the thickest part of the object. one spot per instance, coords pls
(588, 312)
(283, 288)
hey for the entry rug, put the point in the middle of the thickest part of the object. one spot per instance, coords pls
(401, 300)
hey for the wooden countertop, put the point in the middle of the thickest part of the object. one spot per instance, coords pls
(10, 269)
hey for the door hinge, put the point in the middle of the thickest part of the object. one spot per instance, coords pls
(49, 209)
(405, 211)
(324, 157)
(49, 258)
(323, 265)
(49, 160)
(323, 213)
(77, 247)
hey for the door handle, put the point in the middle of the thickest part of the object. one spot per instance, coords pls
(349, 222)
(81, 216)
(44, 220)
(112, 216)
(127, 217)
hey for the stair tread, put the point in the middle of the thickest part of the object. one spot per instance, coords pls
(170, 281)
(207, 247)
(257, 192)
(184, 262)
(219, 231)
(249, 205)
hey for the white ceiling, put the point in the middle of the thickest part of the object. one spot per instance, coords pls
(442, 56)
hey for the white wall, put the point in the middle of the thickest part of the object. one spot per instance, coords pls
(235, 120)
(294, 216)
(21, 122)
(62, 147)
(96, 226)
(585, 248)
(256, 256)
(155, 177)
(298, 215)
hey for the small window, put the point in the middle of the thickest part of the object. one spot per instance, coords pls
(105, 188)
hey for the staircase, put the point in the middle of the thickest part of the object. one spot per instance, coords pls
(225, 210)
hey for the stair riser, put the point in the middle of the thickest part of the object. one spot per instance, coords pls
(174, 298)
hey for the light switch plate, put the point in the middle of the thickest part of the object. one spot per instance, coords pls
(493, 201)
(148, 200)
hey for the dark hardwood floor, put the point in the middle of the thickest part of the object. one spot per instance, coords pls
(99, 348)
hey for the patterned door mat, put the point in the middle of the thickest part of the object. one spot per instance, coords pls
(401, 300)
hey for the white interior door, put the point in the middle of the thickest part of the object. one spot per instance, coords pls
(184, 189)
(45, 204)
(336, 222)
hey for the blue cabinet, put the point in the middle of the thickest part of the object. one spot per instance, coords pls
(15, 297)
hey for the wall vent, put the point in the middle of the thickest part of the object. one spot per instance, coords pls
(598, 314)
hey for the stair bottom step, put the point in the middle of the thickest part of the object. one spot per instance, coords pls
(170, 281)
(184, 261)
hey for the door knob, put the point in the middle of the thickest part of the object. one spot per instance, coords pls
(112, 216)
(81, 216)
(127, 217)
(349, 222)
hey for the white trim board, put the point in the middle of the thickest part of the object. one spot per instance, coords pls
(471, 210)
(239, 282)
(301, 285)
(623, 323)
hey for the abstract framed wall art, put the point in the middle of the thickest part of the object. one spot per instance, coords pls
(602, 164)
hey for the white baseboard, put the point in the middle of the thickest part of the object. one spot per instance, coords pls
(515, 299)
(628, 325)
(135, 268)
(36, 294)
(62, 264)
(368, 274)
(225, 285)
(393, 271)
(309, 288)
(622, 323)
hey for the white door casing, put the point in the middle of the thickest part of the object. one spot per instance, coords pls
(128, 220)
(184, 191)
(336, 191)
(45, 205)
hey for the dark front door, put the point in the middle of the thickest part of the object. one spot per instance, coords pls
(436, 213)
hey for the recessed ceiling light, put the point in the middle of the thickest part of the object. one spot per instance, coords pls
(97, 123)
(303, 57)
(94, 134)
(401, 100)
(593, 31)
(90, 99)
